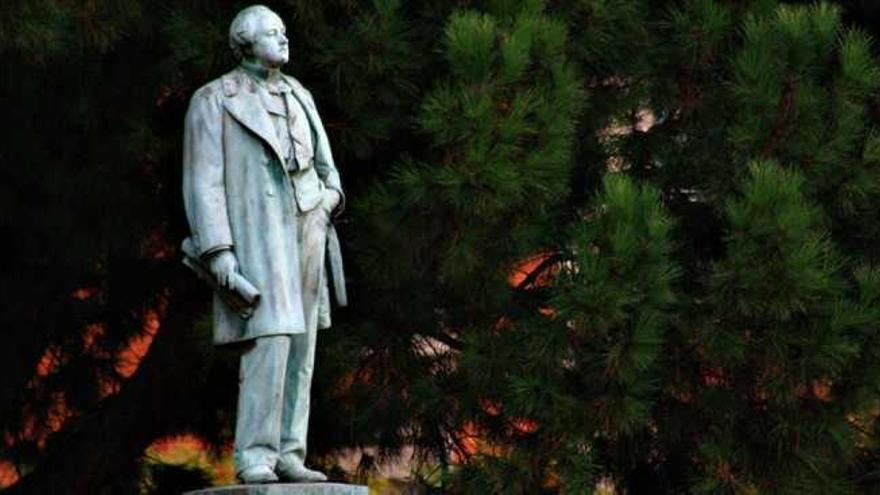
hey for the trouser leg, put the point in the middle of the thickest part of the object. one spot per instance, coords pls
(260, 402)
(312, 231)
(295, 416)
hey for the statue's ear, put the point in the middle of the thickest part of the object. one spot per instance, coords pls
(247, 51)
(242, 51)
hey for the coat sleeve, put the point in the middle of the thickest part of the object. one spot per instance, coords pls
(324, 163)
(204, 186)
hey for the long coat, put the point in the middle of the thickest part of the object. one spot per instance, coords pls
(238, 195)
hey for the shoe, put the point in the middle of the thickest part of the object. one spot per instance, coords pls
(257, 475)
(297, 472)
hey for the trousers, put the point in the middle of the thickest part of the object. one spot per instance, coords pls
(275, 372)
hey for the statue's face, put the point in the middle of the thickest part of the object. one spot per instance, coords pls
(270, 42)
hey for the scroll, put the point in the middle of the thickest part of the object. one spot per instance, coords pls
(242, 298)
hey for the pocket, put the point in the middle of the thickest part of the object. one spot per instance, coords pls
(325, 205)
(307, 188)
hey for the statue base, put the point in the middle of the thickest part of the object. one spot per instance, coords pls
(285, 489)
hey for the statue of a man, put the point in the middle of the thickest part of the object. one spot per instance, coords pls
(260, 188)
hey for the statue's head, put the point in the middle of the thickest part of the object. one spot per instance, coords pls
(257, 34)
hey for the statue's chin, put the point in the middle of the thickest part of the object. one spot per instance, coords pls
(277, 64)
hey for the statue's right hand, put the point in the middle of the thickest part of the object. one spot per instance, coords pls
(223, 266)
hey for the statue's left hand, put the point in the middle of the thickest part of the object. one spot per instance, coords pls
(331, 199)
(224, 265)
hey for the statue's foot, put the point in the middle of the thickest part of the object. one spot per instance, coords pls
(296, 472)
(257, 475)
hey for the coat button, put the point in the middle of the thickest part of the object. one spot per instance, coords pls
(270, 192)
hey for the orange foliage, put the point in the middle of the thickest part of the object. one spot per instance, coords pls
(469, 440)
(822, 389)
(490, 407)
(50, 361)
(526, 267)
(524, 426)
(92, 334)
(84, 293)
(53, 359)
(192, 450)
(130, 358)
(548, 312)
(156, 246)
(714, 377)
(8, 474)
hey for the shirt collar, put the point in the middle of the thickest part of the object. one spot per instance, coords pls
(271, 79)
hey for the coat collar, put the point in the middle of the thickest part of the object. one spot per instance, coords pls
(243, 103)
(271, 79)
(299, 92)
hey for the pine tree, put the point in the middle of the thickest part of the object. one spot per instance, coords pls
(441, 231)
(749, 372)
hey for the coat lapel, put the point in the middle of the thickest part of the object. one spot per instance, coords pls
(299, 92)
(319, 134)
(245, 106)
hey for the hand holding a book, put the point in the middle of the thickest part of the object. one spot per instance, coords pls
(223, 266)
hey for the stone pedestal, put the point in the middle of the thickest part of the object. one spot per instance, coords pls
(285, 489)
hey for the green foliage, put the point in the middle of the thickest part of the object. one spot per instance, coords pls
(475, 201)
(803, 318)
(587, 370)
(774, 237)
(616, 298)
(374, 77)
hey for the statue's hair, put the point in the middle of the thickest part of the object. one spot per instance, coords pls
(242, 31)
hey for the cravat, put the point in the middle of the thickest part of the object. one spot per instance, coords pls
(299, 132)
